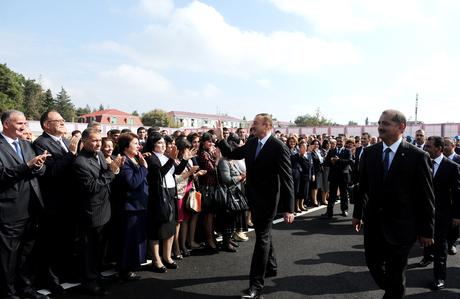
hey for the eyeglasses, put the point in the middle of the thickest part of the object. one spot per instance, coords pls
(60, 121)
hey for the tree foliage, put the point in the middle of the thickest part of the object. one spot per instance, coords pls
(33, 100)
(11, 89)
(49, 103)
(316, 120)
(157, 117)
(135, 113)
(352, 123)
(64, 105)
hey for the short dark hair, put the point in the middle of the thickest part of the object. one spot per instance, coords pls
(192, 136)
(44, 118)
(125, 139)
(125, 131)
(151, 141)
(367, 134)
(438, 141)
(224, 129)
(91, 124)
(182, 144)
(75, 132)
(114, 131)
(140, 128)
(267, 119)
(398, 117)
(87, 133)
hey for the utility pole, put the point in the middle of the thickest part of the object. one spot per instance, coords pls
(416, 107)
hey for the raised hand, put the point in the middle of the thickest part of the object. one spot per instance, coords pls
(218, 130)
(38, 160)
(173, 153)
(73, 146)
(142, 161)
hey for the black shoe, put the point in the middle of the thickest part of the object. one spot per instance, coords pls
(425, 262)
(172, 265)
(452, 250)
(438, 284)
(251, 293)
(131, 276)
(344, 213)
(177, 257)
(185, 253)
(210, 248)
(271, 273)
(326, 216)
(97, 291)
(154, 268)
(34, 295)
(57, 290)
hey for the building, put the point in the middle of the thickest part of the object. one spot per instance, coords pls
(111, 117)
(201, 120)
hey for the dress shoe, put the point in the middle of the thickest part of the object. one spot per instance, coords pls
(344, 213)
(57, 290)
(156, 269)
(97, 291)
(172, 265)
(177, 257)
(34, 295)
(251, 293)
(271, 273)
(131, 276)
(230, 249)
(425, 262)
(185, 253)
(326, 216)
(438, 284)
(240, 237)
(452, 250)
(209, 248)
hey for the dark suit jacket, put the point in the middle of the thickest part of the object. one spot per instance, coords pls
(355, 170)
(55, 184)
(456, 158)
(402, 206)
(135, 187)
(339, 170)
(268, 177)
(457, 150)
(317, 167)
(92, 185)
(446, 184)
(18, 181)
(303, 165)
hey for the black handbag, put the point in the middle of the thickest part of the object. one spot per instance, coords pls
(164, 209)
(235, 199)
(207, 198)
(220, 193)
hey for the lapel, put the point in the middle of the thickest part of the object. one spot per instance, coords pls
(398, 159)
(4, 144)
(52, 143)
(441, 170)
(264, 150)
(374, 158)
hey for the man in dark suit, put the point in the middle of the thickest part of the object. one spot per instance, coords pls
(453, 231)
(365, 139)
(20, 203)
(446, 182)
(338, 160)
(58, 227)
(268, 177)
(399, 206)
(420, 137)
(92, 177)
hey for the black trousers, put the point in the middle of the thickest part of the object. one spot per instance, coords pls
(438, 251)
(387, 263)
(17, 261)
(342, 184)
(90, 243)
(264, 257)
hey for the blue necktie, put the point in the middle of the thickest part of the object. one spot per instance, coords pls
(386, 162)
(18, 150)
(259, 147)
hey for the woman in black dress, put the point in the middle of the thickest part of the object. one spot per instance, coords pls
(162, 169)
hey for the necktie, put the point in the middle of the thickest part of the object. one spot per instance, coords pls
(259, 147)
(386, 162)
(338, 151)
(18, 150)
(62, 145)
(432, 165)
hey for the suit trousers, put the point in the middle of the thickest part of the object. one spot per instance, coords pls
(387, 263)
(452, 235)
(438, 251)
(341, 184)
(263, 258)
(17, 262)
(90, 243)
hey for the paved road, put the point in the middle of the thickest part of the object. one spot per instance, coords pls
(317, 259)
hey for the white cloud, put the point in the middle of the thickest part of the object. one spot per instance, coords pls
(156, 8)
(328, 16)
(265, 83)
(433, 75)
(209, 92)
(198, 39)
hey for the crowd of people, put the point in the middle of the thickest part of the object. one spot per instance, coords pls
(118, 182)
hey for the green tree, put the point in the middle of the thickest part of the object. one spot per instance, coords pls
(64, 105)
(101, 107)
(367, 121)
(135, 113)
(49, 102)
(352, 123)
(82, 111)
(157, 117)
(11, 89)
(317, 120)
(32, 103)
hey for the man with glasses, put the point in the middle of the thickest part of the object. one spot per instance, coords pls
(59, 224)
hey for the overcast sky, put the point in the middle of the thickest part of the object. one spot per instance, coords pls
(350, 58)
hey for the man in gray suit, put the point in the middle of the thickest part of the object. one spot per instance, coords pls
(93, 177)
(20, 203)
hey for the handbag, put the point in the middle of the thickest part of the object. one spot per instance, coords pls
(220, 193)
(237, 201)
(164, 208)
(207, 198)
(193, 203)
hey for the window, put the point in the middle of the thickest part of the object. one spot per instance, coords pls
(131, 121)
(113, 120)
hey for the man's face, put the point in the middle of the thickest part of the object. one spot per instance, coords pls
(373, 140)
(431, 149)
(226, 134)
(98, 127)
(115, 137)
(55, 124)
(15, 129)
(339, 142)
(364, 140)
(142, 134)
(448, 149)
(388, 130)
(93, 143)
(27, 134)
(241, 133)
(260, 129)
(420, 137)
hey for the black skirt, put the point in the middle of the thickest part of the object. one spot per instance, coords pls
(157, 230)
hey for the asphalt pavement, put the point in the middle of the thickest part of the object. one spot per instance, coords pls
(317, 258)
